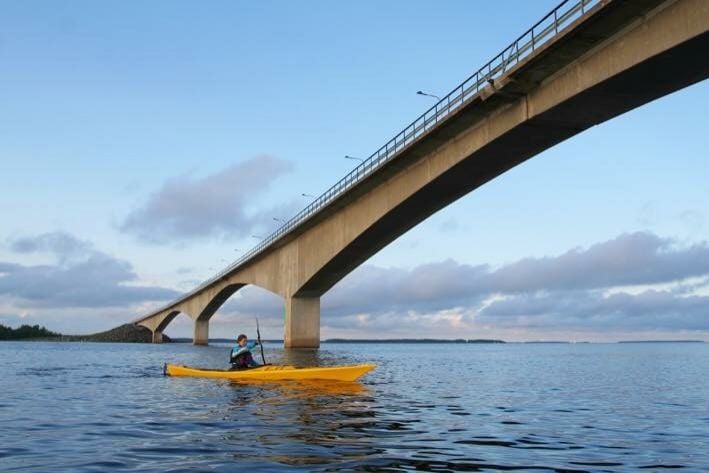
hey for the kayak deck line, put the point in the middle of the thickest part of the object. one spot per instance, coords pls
(274, 372)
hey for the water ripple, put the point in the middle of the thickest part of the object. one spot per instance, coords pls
(502, 408)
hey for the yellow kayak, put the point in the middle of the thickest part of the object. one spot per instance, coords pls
(275, 372)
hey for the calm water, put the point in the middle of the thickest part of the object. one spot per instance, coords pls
(98, 407)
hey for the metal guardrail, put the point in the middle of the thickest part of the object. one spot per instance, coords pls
(549, 26)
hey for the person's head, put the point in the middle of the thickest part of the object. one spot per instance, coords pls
(241, 340)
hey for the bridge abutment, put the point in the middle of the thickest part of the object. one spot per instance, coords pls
(302, 327)
(201, 332)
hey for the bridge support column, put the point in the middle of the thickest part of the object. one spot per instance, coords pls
(157, 336)
(201, 332)
(302, 328)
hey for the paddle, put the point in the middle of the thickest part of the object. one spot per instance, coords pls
(258, 337)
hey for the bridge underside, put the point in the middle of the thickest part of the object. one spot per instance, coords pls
(669, 72)
(618, 59)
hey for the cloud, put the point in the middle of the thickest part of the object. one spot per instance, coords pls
(62, 245)
(254, 301)
(649, 310)
(432, 286)
(634, 283)
(630, 259)
(81, 277)
(186, 208)
(580, 289)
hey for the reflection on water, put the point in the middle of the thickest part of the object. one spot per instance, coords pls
(93, 407)
(303, 389)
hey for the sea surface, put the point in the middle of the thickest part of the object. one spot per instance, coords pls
(431, 407)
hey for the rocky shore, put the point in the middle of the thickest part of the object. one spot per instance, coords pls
(126, 333)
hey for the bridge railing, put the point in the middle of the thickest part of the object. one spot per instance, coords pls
(541, 32)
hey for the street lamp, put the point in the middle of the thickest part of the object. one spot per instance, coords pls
(308, 195)
(257, 237)
(428, 95)
(354, 157)
(279, 220)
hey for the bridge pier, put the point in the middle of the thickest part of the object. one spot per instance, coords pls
(302, 327)
(157, 336)
(201, 332)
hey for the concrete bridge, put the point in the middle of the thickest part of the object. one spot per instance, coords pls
(584, 63)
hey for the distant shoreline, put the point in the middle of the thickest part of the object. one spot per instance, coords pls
(129, 333)
(126, 333)
(94, 339)
(408, 340)
(661, 341)
(448, 341)
(359, 340)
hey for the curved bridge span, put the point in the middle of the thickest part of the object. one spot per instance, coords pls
(585, 62)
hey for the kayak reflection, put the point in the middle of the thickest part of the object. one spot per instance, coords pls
(303, 389)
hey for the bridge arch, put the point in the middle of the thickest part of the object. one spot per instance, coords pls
(218, 300)
(158, 324)
(213, 300)
(166, 321)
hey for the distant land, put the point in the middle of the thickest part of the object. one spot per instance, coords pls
(409, 340)
(358, 340)
(129, 333)
(444, 340)
(126, 333)
(661, 341)
(25, 332)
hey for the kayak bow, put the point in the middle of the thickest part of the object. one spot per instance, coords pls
(274, 373)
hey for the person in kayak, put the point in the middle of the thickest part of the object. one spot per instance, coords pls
(240, 356)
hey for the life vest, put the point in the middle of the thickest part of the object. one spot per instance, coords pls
(241, 360)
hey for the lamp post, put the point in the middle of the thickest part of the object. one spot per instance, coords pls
(354, 157)
(420, 92)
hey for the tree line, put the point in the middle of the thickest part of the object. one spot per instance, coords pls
(25, 331)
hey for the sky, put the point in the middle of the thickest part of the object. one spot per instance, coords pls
(145, 145)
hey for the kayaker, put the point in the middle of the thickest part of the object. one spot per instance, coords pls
(240, 356)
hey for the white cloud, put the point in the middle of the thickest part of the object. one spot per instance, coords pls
(187, 208)
(581, 289)
(81, 277)
(635, 283)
